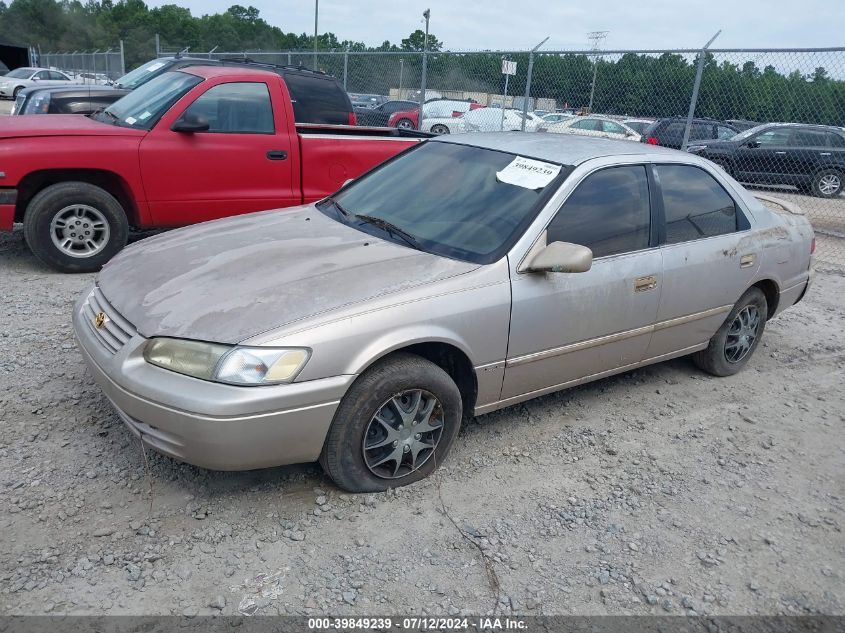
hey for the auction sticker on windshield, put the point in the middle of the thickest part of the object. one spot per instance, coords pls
(528, 173)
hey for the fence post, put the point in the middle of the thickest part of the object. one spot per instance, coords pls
(345, 65)
(422, 86)
(158, 46)
(528, 82)
(122, 60)
(698, 73)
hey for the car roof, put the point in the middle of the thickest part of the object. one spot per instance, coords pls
(566, 149)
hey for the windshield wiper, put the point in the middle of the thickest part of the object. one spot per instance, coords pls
(391, 229)
(338, 206)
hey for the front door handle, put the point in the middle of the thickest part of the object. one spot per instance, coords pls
(277, 154)
(641, 284)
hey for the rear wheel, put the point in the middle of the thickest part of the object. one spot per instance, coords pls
(405, 124)
(827, 183)
(75, 227)
(734, 343)
(394, 426)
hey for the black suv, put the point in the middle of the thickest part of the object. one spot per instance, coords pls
(810, 157)
(670, 132)
(316, 96)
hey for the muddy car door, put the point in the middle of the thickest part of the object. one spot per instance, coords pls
(709, 257)
(566, 326)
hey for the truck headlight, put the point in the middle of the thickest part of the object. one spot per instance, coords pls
(231, 364)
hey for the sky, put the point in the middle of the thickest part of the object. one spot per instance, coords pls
(512, 25)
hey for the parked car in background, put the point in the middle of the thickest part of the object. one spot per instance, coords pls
(317, 97)
(380, 115)
(100, 79)
(638, 125)
(191, 145)
(367, 101)
(670, 132)
(594, 126)
(454, 280)
(19, 78)
(555, 117)
(72, 99)
(434, 109)
(498, 119)
(809, 157)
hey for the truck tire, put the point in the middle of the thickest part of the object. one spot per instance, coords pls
(75, 227)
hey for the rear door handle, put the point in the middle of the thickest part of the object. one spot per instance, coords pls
(780, 153)
(825, 154)
(641, 284)
(277, 154)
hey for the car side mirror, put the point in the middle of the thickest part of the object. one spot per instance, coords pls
(562, 257)
(190, 123)
(753, 144)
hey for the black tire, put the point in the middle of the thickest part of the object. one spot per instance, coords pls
(821, 183)
(16, 92)
(714, 358)
(343, 452)
(54, 200)
(439, 129)
(405, 124)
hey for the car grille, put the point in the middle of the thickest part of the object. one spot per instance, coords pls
(115, 331)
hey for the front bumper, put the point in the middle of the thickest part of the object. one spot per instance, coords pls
(8, 200)
(222, 427)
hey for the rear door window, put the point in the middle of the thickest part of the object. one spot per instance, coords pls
(778, 137)
(613, 128)
(609, 212)
(700, 131)
(694, 204)
(317, 99)
(809, 138)
(594, 125)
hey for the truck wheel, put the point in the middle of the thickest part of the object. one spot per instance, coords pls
(405, 124)
(827, 183)
(75, 227)
(394, 426)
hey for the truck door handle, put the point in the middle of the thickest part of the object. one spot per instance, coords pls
(641, 284)
(277, 154)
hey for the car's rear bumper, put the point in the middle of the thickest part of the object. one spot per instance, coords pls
(207, 424)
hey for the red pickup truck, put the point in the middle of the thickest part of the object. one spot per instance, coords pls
(191, 145)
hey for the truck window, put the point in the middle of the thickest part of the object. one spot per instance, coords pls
(236, 108)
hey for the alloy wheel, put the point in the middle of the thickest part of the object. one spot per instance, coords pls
(79, 230)
(830, 184)
(403, 434)
(741, 334)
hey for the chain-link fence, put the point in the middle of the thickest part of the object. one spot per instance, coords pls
(94, 67)
(705, 101)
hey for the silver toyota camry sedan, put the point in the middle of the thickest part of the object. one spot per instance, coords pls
(465, 275)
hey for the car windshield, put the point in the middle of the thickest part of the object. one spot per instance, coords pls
(749, 132)
(144, 106)
(20, 73)
(446, 199)
(142, 74)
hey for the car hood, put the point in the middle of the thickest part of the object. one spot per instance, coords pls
(231, 279)
(60, 125)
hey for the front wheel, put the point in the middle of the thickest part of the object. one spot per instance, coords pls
(75, 227)
(16, 92)
(439, 129)
(827, 183)
(732, 346)
(394, 426)
(405, 124)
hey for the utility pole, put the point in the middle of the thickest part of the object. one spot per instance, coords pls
(316, 13)
(427, 16)
(596, 37)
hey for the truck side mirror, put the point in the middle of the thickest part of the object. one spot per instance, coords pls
(190, 123)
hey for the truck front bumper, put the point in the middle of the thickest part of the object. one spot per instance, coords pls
(217, 426)
(8, 199)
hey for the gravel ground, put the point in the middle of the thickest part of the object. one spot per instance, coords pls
(662, 490)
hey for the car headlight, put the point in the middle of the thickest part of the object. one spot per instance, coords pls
(231, 364)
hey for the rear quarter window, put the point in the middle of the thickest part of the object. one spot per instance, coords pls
(317, 100)
(695, 205)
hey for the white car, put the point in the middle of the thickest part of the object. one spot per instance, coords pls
(100, 79)
(594, 126)
(18, 79)
(444, 125)
(492, 120)
(443, 116)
